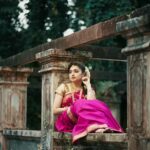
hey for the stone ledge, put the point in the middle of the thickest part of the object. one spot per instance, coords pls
(60, 135)
(94, 137)
(22, 133)
(107, 137)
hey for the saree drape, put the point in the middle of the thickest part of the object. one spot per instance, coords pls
(84, 116)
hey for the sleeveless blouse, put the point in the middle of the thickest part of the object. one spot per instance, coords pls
(70, 95)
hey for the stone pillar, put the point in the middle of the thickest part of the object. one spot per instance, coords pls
(54, 71)
(13, 99)
(2, 142)
(137, 33)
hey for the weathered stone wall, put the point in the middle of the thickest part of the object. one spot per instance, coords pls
(93, 141)
(16, 144)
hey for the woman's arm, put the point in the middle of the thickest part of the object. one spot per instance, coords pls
(57, 109)
(90, 92)
(60, 92)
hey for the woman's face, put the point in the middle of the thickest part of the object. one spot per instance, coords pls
(75, 74)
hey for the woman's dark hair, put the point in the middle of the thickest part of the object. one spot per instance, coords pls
(79, 64)
(82, 67)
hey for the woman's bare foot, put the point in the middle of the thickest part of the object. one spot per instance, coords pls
(104, 130)
(101, 130)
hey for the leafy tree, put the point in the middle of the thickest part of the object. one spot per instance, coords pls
(77, 14)
(58, 18)
(100, 10)
(139, 3)
(35, 34)
(47, 19)
(9, 28)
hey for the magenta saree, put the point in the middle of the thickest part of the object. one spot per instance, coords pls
(84, 116)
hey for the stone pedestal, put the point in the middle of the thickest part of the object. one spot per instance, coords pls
(137, 33)
(54, 71)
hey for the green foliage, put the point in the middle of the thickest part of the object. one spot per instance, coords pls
(77, 13)
(10, 36)
(139, 3)
(58, 18)
(105, 90)
(35, 34)
(94, 11)
(100, 10)
(47, 19)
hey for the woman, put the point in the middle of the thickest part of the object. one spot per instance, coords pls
(79, 112)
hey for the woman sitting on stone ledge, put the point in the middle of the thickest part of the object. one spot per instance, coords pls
(78, 110)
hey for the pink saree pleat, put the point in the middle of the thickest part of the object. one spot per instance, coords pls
(92, 115)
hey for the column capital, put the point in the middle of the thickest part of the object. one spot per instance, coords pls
(15, 70)
(137, 32)
(58, 59)
(14, 75)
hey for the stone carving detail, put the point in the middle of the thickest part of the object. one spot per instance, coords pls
(47, 95)
(56, 59)
(137, 69)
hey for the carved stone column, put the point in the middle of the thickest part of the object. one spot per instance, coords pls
(137, 33)
(13, 99)
(54, 71)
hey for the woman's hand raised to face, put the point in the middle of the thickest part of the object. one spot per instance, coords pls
(87, 72)
(86, 78)
(90, 92)
(86, 81)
